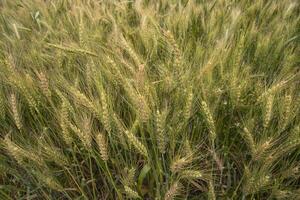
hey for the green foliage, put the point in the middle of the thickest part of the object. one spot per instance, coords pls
(159, 99)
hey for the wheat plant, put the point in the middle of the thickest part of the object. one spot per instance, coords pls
(149, 99)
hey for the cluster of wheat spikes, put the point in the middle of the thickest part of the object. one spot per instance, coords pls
(162, 99)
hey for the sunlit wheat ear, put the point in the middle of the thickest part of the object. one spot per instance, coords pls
(81, 33)
(15, 151)
(140, 77)
(261, 149)
(173, 191)
(130, 178)
(83, 100)
(131, 193)
(30, 99)
(2, 106)
(268, 111)
(54, 154)
(210, 121)
(136, 143)
(143, 108)
(26, 92)
(179, 164)
(191, 174)
(211, 190)
(255, 182)
(160, 126)
(105, 111)
(64, 122)
(73, 50)
(188, 105)
(48, 180)
(14, 107)
(116, 69)
(249, 140)
(44, 84)
(174, 48)
(19, 154)
(287, 109)
(131, 52)
(272, 90)
(89, 71)
(236, 89)
(102, 145)
(85, 138)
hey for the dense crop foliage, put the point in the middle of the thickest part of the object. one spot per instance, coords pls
(162, 99)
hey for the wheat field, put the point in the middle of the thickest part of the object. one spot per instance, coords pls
(149, 99)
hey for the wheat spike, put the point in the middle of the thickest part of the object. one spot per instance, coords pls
(73, 50)
(83, 100)
(14, 106)
(55, 155)
(48, 180)
(136, 143)
(287, 109)
(85, 138)
(102, 145)
(64, 122)
(188, 105)
(105, 111)
(256, 183)
(192, 174)
(210, 121)
(173, 191)
(179, 164)
(261, 149)
(90, 67)
(143, 108)
(44, 84)
(2, 106)
(131, 52)
(131, 193)
(161, 137)
(15, 151)
(82, 41)
(249, 140)
(174, 47)
(272, 90)
(26, 92)
(268, 111)
(20, 154)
